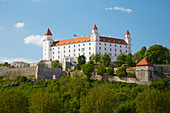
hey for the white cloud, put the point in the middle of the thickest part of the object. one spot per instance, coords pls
(19, 25)
(122, 9)
(10, 60)
(34, 39)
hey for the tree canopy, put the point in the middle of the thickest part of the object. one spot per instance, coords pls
(105, 60)
(56, 64)
(81, 59)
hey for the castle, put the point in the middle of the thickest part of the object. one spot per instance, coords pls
(69, 50)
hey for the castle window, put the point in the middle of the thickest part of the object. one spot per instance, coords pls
(53, 57)
(89, 43)
(53, 48)
(115, 54)
(126, 51)
(110, 49)
(74, 45)
(63, 43)
(119, 42)
(50, 49)
(64, 55)
(129, 47)
(120, 50)
(64, 51)
(99, 43)
(104, 48)
(126, 46)
(105, 44)
(120, 46)
(58, 51)
(79, 54)
(109, 40)
(74, 50)
(53, 52)
(83, 44)
(79, 49)
(58, 56)
(110, 54)
(79, 44)
(115, 45)
(69, 50)
(89, 53)
(115, 49)
(72, 41)
(99, 53)
(69, 55)
(69, 46)
(89, 48)
(74, 54)
(99, 48)
(110, 44)
(83, 53)
(64, 47)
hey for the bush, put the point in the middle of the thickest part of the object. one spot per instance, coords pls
(101, 70)
(121, 71)
(110, 71)
(78, 67)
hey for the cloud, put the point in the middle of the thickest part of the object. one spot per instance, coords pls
(19, 25)
(10, 60)
(34, 39)
(122, 9)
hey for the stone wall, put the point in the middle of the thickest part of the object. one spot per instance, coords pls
(160, 68)
(24, 71)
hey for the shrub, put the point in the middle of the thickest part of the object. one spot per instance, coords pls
(121, 71)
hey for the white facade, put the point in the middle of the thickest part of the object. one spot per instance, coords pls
(69, 50)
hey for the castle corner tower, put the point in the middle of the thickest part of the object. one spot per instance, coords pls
(128, 41)
(47, 42)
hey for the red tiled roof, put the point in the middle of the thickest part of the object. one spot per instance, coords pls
(88, 39)
(95, 27)
(72, 41)
(144, 62)
(48, 32)
(127, 33)
(112, 40)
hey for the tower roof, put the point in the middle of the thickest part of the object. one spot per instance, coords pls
(144, 62)
(48, 32)
(95, 27)
(127, 33)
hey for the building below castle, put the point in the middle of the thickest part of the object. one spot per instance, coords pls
(69, 50)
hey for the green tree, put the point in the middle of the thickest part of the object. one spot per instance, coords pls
(110, 71)
(129, 62)
(56, 64)
(45, 102)
(6, 64)
(152, 101)
(95, 57)
(121, 59)
(121, 72)
(157, 54)
(13, 101)
(81, 59)
(78, 67)
(142, 53)
(105, 60)
(87, 70)
(98, 100)
(127, 107)
(101, 70)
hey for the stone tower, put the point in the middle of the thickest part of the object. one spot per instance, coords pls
(128, 41)
(144, 70)
(95, 37)
(47, 42)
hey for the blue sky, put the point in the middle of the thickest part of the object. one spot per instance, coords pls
(24, 22)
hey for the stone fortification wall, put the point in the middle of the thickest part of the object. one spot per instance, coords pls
(160, 68)
(25, 71)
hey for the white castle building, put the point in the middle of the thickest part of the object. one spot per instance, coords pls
(69, 50)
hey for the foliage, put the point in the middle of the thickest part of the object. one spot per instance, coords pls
(56, 64)
(95, 57)
(81, 59)
(152, 101)
(90, 62)
(157, 54)
(5, 64)
(161, 85)
(105, 60)
(129, 62)
(87, 70)
(78, 67)
(127, 107)
(99, 100)
(121, 72)
(121, 59)
(45, 102)
(110, 71)
(13, 101)
(101, 70)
